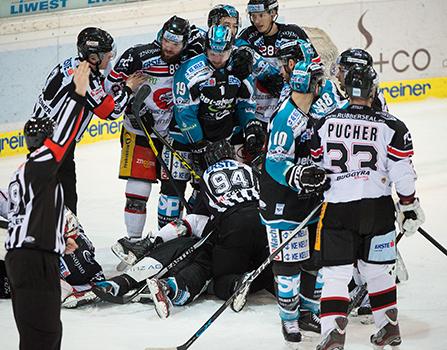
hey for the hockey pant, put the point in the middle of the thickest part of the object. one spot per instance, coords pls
(241, 247)
(191, 274)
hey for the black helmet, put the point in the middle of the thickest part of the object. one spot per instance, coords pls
(261, 6)
(361, 81)
(220, 11)
(36, 130)
(354, 56)
(217, 151)
(94, 40)
(176, 29)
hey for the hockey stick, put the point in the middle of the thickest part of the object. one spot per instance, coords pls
(176, 154)
(363, 291)
(141, 95)
(124, 299)
(4, 224)
(432, 240)
(249, 280)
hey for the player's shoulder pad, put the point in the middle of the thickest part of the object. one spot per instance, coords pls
(192, 68)
(291, 117)
(249, 34)
(291, 31)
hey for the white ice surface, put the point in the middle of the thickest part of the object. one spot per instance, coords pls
(422, 300)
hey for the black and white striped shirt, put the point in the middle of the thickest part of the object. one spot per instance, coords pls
(99, 102)
(229, 183)
(36, 200)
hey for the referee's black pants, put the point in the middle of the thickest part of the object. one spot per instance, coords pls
(67, 177)
(36, 298)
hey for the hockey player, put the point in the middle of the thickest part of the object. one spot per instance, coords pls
(364, 151)
(35, 214)
(230, 193)
(328, 98)
(266, 35)
(245, 61)
(96, 47)
(290, 186)
(157, 62)
(211, 103)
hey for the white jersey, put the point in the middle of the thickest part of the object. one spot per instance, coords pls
(365, 152)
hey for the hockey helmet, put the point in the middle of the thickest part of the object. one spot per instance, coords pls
(220, 11)
(354, 56)
(176, 29)
(93, 40)
(36, 130)
(219, 38)
(256, 6)
(71, 224)
(306, 77)
(297, 50)
(217, 151)
(361, 81)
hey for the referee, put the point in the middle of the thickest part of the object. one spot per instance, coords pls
(36, 222)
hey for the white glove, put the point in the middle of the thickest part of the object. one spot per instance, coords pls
(410, 217)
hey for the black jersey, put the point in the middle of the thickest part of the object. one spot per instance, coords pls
(57, 87)
(36, 199)
(227, 185)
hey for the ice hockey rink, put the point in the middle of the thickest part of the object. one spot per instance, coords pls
(422, 301)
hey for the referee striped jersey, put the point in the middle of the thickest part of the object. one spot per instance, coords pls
(36, 199)
(227, 184)
(99, 102)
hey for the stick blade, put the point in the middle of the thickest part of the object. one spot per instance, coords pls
(162, 348)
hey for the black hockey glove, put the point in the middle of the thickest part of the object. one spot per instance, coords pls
(198, 150)
(309, 178)
(148, 120)
(242, 64)
(254, 137)
(273, 84)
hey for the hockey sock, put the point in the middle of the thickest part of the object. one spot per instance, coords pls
(169, 209)
(381, 290)
(287, 294)
(334, 295)
(137, 194)
(307, 293)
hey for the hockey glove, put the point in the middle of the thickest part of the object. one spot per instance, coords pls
(254, 137)
(242, 65)
(309, 178)
(273, 84)
(148, 120)
(198, 150)
(410, 217)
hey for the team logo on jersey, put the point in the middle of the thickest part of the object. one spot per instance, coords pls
(208, 83)
(163, 98)
(63, 268)
(195, 69)
(67, 68)
(279, 208)
(124, 62)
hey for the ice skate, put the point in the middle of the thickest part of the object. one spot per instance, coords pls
(389, 334)
(309, 321)
(79, 299)
(158, 291)
(130, 251)
(241, 299)
(335, 340)
(291, 333)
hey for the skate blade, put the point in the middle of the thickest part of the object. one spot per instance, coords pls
(122, 266)
(160, 307)
(127, 260)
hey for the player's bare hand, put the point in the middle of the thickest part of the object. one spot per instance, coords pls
(70, 246)
(81, 78)
(135, 80)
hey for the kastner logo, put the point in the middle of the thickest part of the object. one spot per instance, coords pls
(401, 60)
